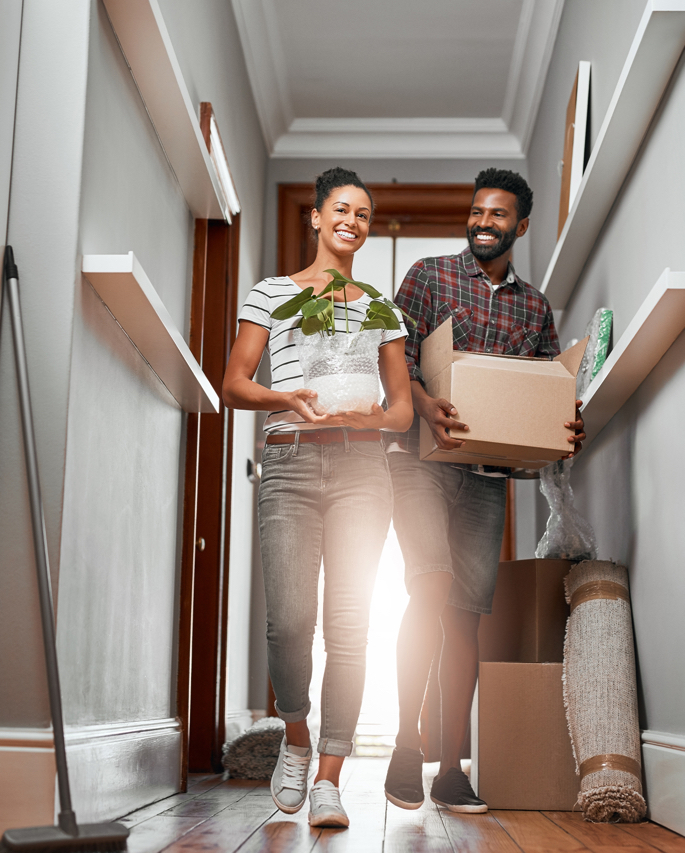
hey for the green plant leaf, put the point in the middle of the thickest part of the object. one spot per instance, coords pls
(312, 325)
(332, 285)
(368, 289)
(292, 306)
(315, 306)
(373, 323)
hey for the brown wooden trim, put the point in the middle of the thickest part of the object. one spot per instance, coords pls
(569, 132)
(185, 629)
(206, 113)
(412, 210)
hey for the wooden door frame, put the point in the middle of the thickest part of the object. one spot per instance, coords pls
(203, 614)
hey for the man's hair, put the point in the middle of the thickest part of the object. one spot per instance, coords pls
(511, 182)
(335, 178)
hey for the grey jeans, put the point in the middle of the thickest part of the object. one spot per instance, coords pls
(449, 520)
(332, 501)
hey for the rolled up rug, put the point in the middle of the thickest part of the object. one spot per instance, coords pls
(600, 692)
(254, 753)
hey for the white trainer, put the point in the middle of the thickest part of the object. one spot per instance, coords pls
(289, 780)
(325, 808)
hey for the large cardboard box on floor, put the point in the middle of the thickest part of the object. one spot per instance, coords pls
(521, 754)
(529, 613)
(515, 407)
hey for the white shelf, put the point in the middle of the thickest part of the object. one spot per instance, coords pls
(121, 283)
(656, 325)
(144, 39)
(655, 50)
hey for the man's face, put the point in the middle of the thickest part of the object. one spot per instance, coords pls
(493, 224)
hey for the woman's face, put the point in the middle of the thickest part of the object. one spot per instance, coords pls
(343, 221)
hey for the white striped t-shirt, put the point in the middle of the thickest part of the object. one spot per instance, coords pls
(286, 373)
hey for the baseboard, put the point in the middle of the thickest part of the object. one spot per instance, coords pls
(113, 769)
(663, 759)
(27, 778)
(237, 722)
(119, 767)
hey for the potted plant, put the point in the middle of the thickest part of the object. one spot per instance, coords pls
(342, 367)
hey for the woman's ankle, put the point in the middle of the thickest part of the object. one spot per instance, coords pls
(329, 769)
(408, 740)
(297, 734)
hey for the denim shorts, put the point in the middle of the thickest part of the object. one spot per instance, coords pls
(449, 519)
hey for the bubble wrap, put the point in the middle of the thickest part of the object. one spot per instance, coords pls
(342, 369)
(568, 535)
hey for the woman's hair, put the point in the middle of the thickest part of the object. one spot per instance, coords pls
(334, 178)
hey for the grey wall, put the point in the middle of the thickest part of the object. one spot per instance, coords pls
(43, 228)
(628, 483)
(116, 617)
(211, 59)
(90, 176)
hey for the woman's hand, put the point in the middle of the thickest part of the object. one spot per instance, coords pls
(378, 419)
(300, 401)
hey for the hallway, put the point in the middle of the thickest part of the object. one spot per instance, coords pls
(223, 817)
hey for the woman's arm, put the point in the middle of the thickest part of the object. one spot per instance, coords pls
(395, 378)
(239, 391)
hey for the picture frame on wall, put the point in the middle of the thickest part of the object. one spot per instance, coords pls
(575, 142)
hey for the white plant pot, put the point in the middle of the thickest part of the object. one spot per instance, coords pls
(342, 369)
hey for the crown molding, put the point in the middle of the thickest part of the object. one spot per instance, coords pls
(266, 68)
(397, 137)
(535, 38)
(290, 137)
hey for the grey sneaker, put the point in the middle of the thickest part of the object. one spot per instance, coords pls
(325, 808)
(289, 780)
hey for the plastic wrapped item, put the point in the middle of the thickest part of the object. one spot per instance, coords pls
(568, 535)
(599, 331)
(342, 369)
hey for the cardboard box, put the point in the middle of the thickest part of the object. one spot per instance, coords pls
(529, 613)
(515, 406)
(521, 754)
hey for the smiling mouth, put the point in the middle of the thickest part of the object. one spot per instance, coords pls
(348, 236)
(484, 237)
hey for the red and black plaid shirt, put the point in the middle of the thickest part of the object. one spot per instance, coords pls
(514, 319)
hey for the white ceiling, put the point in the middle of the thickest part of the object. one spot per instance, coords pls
(372, 78)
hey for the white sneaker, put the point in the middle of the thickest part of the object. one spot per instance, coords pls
(325, 808)
(289, 780)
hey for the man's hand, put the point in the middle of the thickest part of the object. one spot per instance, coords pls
(579, 436)
(440, 415)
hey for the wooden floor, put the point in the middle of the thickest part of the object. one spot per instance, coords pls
(223, 817)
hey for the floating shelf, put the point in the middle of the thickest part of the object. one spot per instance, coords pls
(121, 283)
(656, 325)
(144, 40)
(655, 50)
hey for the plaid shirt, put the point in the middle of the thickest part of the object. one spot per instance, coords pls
(514, 319)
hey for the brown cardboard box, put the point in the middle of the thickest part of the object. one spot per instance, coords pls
(515, 407)
(521, 754)
(529, 613)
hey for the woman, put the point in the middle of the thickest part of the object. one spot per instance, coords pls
(325, 492)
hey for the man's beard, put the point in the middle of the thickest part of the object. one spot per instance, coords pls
(503, 242)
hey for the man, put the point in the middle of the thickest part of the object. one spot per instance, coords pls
(449, 517)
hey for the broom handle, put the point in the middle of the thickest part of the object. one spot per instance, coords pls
(67, 818)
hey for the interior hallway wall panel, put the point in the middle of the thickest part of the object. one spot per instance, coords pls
(629, 482)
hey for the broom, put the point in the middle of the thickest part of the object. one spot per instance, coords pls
(68, 835)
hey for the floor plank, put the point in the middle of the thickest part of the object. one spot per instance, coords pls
(159, 832)
(477, 833)
(601, 837)
(534, 833)
(226, 832)
(658, 836)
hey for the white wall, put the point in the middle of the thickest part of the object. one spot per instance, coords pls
(628, 483)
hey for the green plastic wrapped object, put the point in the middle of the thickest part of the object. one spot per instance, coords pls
(599, 332)
(606, 317)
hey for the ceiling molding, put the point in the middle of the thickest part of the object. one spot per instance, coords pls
(290, 137)
(535, 40)
(266, 68)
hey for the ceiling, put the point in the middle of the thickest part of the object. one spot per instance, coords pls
(372, 78)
